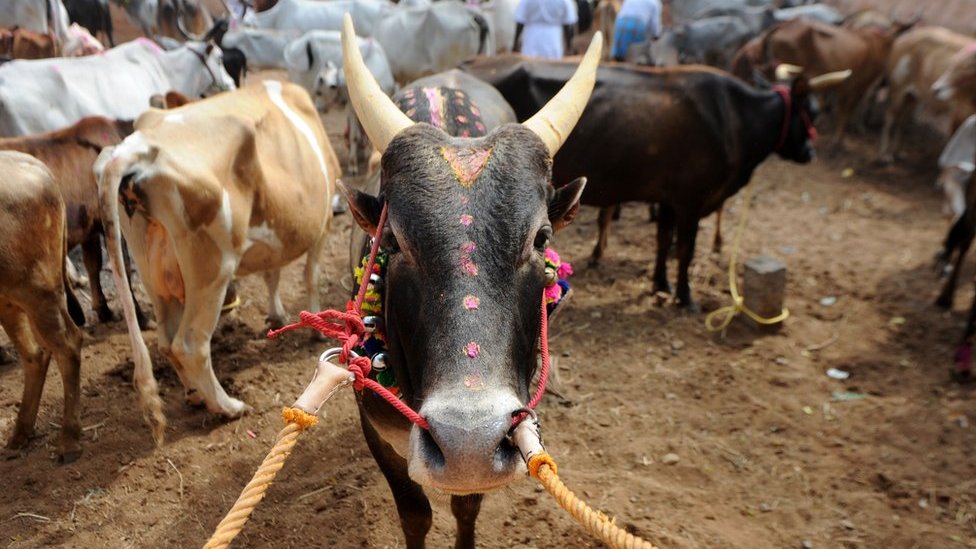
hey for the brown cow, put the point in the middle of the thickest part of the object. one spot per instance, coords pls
(917, 60)
(70, 155)
(20, 43)
(821, 48)
(33, 302)
(604, 18)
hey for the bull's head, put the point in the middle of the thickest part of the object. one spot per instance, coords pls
(799, 133)
(468, 224)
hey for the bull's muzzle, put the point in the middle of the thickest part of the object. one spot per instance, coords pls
(467, 449)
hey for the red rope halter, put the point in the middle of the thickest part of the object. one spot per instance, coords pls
(347, 327)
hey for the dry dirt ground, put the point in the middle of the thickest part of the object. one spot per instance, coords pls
(769, 456)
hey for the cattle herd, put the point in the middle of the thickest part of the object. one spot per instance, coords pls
(473, 158)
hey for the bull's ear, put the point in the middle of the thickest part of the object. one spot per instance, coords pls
(365, 208)
(564, 204)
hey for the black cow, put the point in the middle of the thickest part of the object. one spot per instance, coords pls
(94, 15)
(468, 223)
(687, 138)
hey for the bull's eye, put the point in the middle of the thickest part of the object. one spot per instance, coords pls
(542, 238)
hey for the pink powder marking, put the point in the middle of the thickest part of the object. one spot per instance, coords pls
(474, 381)
(465, 200)
(467, 220)
(469, 266)
(436, 101)
(479, 126)
(471, 302)
(472, 349)
(469, 247)
(461, 119)
(465, 133)
(466, 163)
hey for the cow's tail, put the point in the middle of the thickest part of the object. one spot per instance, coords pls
(110, 173)
(484, 32)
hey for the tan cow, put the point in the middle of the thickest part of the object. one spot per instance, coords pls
(958, 82)
(236, 184)
(21, 43)
(918, 58)
(70, 155)
(33, 303)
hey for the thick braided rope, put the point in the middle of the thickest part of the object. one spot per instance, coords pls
(543, 468)
(296, 421)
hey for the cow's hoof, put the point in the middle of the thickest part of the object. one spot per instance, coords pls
(594, 260)
(235, 410)
(688, 305)
(944, 302)
(276, 323)
(69, 456)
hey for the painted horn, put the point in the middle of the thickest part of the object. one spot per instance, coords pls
(829, 79)
(556, 119)
(785, 71)
(380, 117)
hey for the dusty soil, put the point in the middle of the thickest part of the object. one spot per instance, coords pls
(768, 456)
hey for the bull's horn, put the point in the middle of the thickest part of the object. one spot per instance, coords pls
(828, 80)
(785, 71)
(380, 117)
(556, 119)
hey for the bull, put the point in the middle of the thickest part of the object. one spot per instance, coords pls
(687, 138)
(468, 221)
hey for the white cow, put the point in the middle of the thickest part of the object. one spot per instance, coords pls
(306, 15)
(49, 94)
(33, 15)
(452, 32)
(957, 164)
(314, 61)
(263, 48)
(235, 184)
(501, 17)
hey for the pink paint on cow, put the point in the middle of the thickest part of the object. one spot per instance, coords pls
(472, 349)
(467, 220)
(471, 302)
(436, 102)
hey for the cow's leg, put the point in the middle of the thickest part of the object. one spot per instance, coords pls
(52, 325)
(964, 353)
(892, 113)
(169, 313)
(276, 311)
(465, 510)
(606, 217)
(35, 361)
(717, 240)
(191, 346)
(949, 288)
(91, 252)
(412, 504)
(687, 225)
(206, 275)
(665, 235)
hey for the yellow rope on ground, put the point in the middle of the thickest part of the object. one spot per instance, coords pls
(543, 467)
(738, 305)
(296, 421)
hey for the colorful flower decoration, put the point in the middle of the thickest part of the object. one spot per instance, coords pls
(557, 272)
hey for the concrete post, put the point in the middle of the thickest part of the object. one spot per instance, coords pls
(764, 289)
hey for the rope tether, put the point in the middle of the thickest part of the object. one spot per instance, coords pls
(296, 421)
(738, 305)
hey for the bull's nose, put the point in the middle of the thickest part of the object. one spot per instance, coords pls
(466, 448)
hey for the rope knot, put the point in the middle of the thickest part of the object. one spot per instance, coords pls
(299, 417)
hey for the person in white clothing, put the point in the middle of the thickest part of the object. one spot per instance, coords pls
(545, 27)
